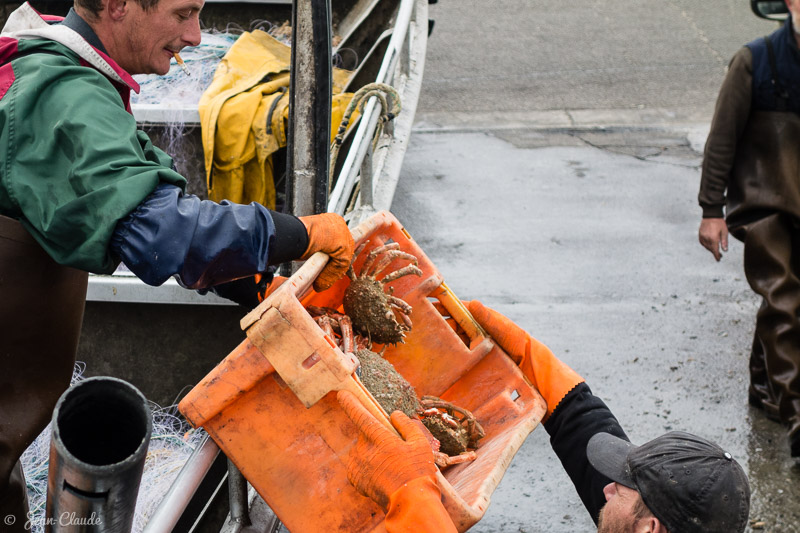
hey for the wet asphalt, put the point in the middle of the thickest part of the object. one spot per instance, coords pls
(574, 212)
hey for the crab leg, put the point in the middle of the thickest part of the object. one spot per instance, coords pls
(450, 421)
(326, 324)
(350, 272)
(406, 319)
(362, 342)
(316, 312)
(365, 268)
(400, 304)
(433, 401)
(441, 459)
(387, 258)
(463, 457)
(346, 327)
(405, 271)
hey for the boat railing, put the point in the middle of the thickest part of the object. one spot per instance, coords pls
(366, 162)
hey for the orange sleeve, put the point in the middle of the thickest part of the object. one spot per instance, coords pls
(416, 507)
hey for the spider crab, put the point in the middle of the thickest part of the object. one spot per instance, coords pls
(391, 390)
(456, 429)
(374, 312)
(452, 432)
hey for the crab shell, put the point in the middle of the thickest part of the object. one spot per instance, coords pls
(368, 306)
(386, 385)
(453, 441)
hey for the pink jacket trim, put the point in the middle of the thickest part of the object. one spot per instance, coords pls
(6, 79)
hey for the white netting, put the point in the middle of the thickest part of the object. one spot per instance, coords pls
(171, 444)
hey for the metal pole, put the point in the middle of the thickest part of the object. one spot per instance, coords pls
(183, 489)
(308, 139)
(101, 430)
(237, 496)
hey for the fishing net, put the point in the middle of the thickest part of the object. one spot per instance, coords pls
(171, 444)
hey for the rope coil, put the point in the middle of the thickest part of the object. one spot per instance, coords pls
(390, 108)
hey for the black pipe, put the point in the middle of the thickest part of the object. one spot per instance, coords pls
(101, 431)
(323, 72)
(308, 138)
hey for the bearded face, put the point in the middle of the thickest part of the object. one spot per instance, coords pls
(624, 509)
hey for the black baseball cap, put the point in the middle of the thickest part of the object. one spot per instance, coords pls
(688, 483)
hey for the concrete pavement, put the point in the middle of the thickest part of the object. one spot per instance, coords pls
(587, 238)
(553, 174)
(517, 56)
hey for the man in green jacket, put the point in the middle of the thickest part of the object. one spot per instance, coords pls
(81, 189)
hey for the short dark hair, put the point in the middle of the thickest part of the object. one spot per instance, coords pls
(640, 510)
(94, 7)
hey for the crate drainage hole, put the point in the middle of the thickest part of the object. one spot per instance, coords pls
(311, 360)
(514, 395)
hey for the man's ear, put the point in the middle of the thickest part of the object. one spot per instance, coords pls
(650, 524)
(117, 9)
(658, 527)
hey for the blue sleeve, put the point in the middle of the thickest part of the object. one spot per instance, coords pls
(578, 417)
(204, 243)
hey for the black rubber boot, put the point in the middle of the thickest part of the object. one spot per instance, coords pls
(760, 394)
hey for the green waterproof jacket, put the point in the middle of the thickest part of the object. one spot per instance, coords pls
(74, 163)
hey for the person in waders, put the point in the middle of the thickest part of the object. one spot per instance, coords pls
(750, 186)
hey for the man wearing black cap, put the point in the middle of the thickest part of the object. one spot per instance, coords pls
(677, 483)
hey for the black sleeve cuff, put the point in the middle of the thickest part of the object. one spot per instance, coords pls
(578, 417)
(242, 291)
(291, 238)
(713, 211)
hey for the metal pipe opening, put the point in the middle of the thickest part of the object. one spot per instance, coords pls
(102, 422)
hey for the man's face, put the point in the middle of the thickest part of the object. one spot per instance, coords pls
(149, 38)
(618, 514)
(794, 9)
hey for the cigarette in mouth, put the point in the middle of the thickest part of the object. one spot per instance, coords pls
(181, 63)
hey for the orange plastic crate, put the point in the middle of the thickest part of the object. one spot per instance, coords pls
(270, 407)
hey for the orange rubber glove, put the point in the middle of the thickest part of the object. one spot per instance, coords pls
(416, 507)
(398, 474)
(551, 377)
(382, 462)
(329, 233)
